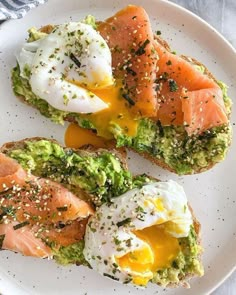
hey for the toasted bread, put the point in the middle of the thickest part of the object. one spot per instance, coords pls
(119, 154)
(10, 147)
(194, 166)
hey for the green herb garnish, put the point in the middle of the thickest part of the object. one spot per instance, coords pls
(75, 60)
(62, 209)
(141, 49)
(110, 276)
(20, 225)
(123, 222)
(130, 100)
(130, 71)
(172, 85)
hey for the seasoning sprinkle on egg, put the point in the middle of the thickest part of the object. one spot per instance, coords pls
(139, 239)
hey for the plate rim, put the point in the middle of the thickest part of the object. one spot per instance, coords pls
(221, 38)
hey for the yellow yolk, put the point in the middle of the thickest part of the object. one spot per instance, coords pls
(118, 112)
(162, 250)
(76, 137)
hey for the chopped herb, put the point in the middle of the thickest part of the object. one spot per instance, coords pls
(127, 281)
(158, 33)
(117, 241)
(130, 71)
(60, 225)
(130, 100)
(10, 210)
(161, 130)
(87, 41)
(1, 216)
(139, 209)
(75, 60)
(175, 264)
(2, 237)
(65, 99)
(128, 242)
(20, 225)
(158, 87)
(110, 276)
(62, 209)
(117, 49)
(207, 135)
(172, 85)
(123, 222)
(162, 77)
(141, 49)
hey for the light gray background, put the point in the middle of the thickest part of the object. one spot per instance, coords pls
(221, 14)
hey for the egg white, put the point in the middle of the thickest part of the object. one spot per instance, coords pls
(53, 70)
(106, 238)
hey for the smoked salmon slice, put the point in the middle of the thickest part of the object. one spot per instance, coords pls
(156, 82)
(22, 240)
(35, 210)
(187, 96)
(130, 39)
(38, 199)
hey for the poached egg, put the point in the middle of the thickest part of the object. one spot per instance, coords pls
(70, 68)
(137, 234)
(67, 65)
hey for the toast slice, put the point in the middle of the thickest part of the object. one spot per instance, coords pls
(40, 154)
(169, 146)
(47, 159)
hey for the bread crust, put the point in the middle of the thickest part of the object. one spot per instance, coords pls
(86, 149)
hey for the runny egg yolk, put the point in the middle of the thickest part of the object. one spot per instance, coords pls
(76, 137)
(118, 112)
(162, 251)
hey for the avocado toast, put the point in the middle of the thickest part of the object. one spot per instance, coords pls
(171, 141)
(97, 177)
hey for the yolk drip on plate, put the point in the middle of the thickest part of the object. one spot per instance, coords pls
(118, 113)
(162, 250)
(76, 137)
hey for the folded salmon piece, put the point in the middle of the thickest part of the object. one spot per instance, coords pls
(186, 95)
(35, 212)
(156, 82)
(129, 36)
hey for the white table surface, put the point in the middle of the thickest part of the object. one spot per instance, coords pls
(221, 14)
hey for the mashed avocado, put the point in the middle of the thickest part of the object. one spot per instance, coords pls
(187, 262)
(103, 176)
(169, 144)
(71, 254)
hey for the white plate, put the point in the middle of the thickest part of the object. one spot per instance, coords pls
(212, 194)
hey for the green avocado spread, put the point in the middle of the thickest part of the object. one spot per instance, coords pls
(169, 144)
(98, 174)
(103, 176)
